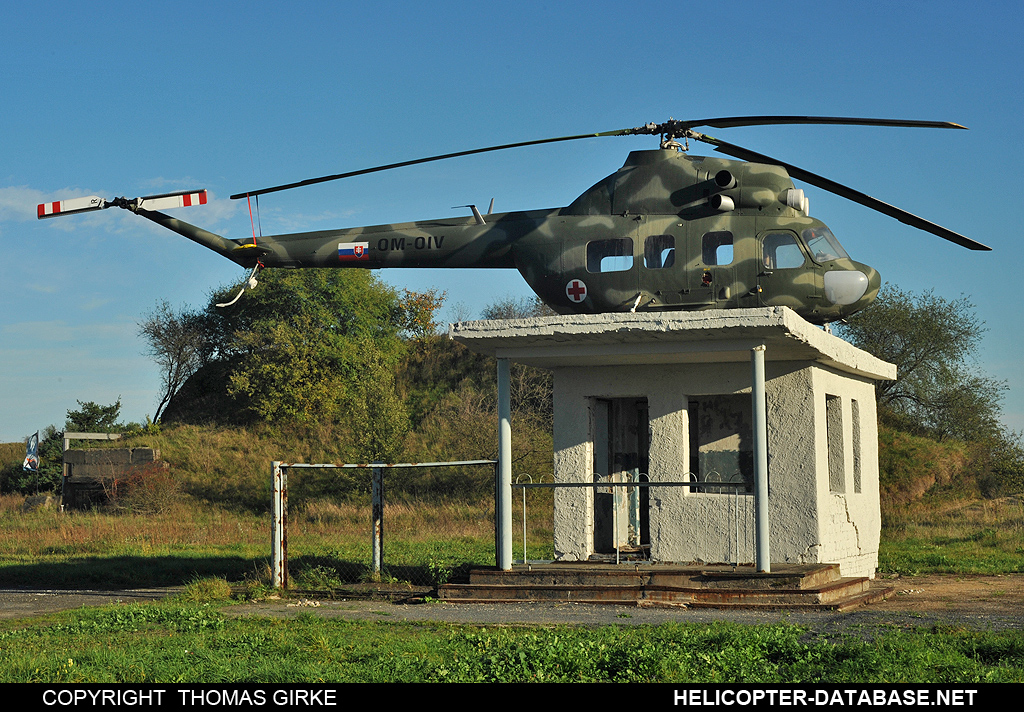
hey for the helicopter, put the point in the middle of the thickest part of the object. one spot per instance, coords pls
(667, 231)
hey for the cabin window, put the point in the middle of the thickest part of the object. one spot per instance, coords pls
(781, 251)
(716, 248)
(823, 244)
(615, 255)
(659, 251)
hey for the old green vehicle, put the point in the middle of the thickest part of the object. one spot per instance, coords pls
(666, 231)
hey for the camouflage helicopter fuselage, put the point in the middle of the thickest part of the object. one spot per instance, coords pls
(666, 231)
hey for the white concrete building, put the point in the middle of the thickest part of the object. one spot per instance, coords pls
(668, 395)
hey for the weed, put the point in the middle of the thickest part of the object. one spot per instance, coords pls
(439, 570)
(257, 584)
(211, 589)
(321, 578)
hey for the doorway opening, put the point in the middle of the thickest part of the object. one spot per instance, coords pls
(621, 437)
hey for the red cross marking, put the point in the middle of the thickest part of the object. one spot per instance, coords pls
(576, 291)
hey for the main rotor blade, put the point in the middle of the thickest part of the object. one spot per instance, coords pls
(732, 121)
(375, 169)
(843, 191)
(671, 128)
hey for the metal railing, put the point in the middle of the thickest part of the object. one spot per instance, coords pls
(279, 508)
(634, 502)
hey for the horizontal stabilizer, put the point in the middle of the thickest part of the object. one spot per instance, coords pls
(67, 207)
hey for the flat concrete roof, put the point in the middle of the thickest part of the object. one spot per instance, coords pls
(712, 335)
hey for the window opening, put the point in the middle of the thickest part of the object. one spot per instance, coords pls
(855, 417)
(614, 255)
(834, 435)
(659, 251)
(781, 251)
(721, 443)
(716, 248)
(823, 244)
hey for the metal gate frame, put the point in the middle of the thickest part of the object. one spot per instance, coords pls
(279, 508)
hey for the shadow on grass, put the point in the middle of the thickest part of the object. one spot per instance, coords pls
(116, 572)
(327, 572)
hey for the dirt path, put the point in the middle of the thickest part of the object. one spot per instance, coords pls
(28, 603)
(975, 602)
(977, 595)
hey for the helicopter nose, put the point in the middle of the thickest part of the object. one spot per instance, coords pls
(874, 282)
(845, 287)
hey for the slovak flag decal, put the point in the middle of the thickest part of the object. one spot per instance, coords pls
(353, 251)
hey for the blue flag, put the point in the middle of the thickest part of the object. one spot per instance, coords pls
(31, 455)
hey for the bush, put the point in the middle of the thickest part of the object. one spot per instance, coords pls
(147, 489)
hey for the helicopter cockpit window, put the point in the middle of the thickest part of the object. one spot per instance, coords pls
(615, 255)
(716, 248)
(659, 251)
(781, 251)
(823, 244)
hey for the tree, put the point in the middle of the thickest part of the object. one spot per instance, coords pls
(306, 346)
(94, 418)
(938, 390)
(531, 388)
(512, 308)
(420, 310)
(301, 345)
(178, 344)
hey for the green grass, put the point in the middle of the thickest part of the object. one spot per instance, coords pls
(956, 537)
(329, 543)
(174, 642)
(912, 557)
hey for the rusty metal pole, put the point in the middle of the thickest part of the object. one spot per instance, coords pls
(279, 527)
(377, 487)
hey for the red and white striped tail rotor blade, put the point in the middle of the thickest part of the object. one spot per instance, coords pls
(68, 207)
(167, 201)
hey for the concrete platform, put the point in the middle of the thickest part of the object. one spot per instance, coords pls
(815, 586)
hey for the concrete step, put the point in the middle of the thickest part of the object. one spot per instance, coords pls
(875, 594)
(680, 576)
(671, 594)
(832, 594)
(811, 586)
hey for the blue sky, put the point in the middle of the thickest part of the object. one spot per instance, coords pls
(141, 98)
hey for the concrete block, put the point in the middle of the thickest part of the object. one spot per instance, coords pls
(120, 456)
(141, 455)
